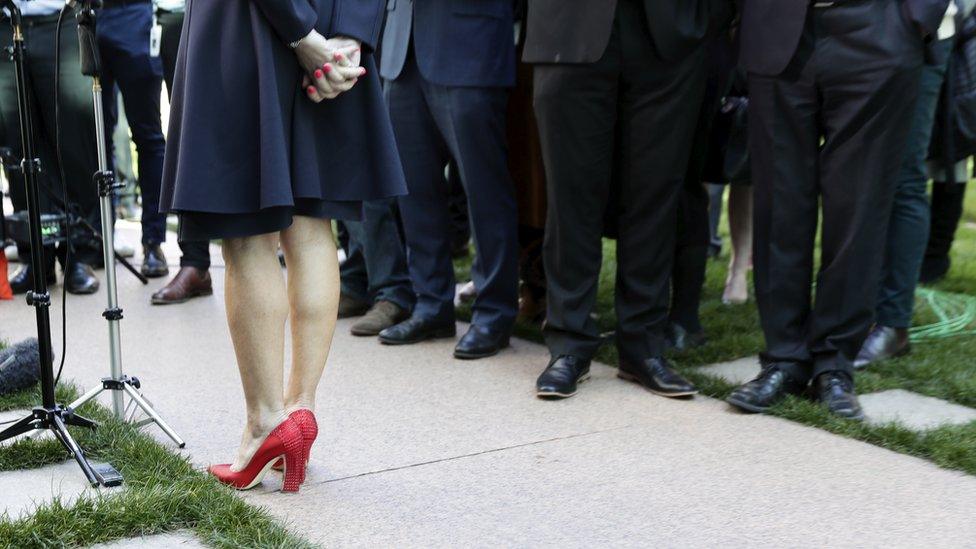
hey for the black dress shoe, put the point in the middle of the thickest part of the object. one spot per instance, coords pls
(415, 330)
(682, 340)
(154, 263)
(80, 279)
(562, 377)
(480, 342)
(772, 386)
(657, 376)
(883, 343)
(835, 390)
(23, 279)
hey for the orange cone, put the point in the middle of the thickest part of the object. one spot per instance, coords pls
(5, 291)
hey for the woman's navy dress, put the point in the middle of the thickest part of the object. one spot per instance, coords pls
(247, 149)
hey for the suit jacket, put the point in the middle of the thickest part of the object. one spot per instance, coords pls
(456, 42)
(293, 19)
(578, 31)
(771, 29)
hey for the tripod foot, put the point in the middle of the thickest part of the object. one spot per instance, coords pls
(61, 432)
(146, 407)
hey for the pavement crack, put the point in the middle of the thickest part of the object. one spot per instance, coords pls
(474, 454)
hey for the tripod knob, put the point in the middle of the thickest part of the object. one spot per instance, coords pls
(134, 381)
(38, 299)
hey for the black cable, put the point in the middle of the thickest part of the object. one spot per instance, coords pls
(64, 189)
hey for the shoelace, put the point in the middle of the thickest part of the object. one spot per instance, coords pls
(840, 382)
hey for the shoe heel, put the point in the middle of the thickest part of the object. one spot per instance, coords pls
(445, 333)
(294, 456)
(294, 471)
(310, 431)
(626, 376)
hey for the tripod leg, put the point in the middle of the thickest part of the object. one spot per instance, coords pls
(22, 426)
(128, 266)
(80, 421)
(94, 392)
(146, 407)
(69, 443)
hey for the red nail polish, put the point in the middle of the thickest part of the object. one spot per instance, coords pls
(310, 90)
(318, 73)
(327, 68)
(337, 56)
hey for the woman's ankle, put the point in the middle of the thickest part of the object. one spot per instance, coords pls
(260, 424)
(302, 403)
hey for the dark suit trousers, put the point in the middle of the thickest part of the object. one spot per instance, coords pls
(908, 230)
(195, 254)
(826, 137)
(123, 42)
(375, 268)
(629, 117)
(432, 125)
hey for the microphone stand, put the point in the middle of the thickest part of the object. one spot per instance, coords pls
(118, 383)
(50, 415)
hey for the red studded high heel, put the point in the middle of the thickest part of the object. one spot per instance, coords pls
(284, 442)
(309, 427)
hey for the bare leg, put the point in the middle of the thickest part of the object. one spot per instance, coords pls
(740, 225)
(257, 308)
(313, 292)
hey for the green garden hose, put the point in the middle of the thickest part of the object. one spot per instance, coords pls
(956, 315)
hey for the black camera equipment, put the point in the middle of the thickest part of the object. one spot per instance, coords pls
(55, 227)
(49, 415)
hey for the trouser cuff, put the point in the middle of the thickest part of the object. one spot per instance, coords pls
(196, 263)
(835, 363)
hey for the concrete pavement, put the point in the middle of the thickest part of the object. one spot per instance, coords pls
(418, 449)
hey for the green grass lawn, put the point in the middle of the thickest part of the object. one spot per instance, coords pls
(943, 369)
(162, 492)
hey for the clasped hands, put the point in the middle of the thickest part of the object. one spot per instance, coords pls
(332, 65)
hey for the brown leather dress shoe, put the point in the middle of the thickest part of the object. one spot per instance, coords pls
(383, 315)
(190, 282)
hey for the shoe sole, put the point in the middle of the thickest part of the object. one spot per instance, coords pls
(83, 292)
(260, 478)
(742, 405)
(184, 300)
(897, 354)
(461, 355)
(858, 418)
(366, 333)
(154, 274)
(436, 335)
(633, 378)
(555, 395)
(372, 333)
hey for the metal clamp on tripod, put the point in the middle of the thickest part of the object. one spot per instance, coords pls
(118, 383)
(50, 415)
